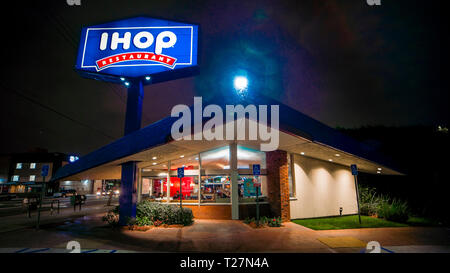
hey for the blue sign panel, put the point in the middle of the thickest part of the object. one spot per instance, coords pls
(137, 47)
(44, 171)
(354, 169)
(256, 169)
(180, 172)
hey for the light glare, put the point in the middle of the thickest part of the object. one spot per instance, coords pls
(240, 83)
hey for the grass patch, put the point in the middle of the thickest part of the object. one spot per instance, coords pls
(422, 222)
(346, 222)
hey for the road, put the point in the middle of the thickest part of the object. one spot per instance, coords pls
(15, 207)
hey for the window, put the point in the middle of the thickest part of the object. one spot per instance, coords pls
(217, 159)
(15, 178)
(291, 176)
(248, 157)
(215, 189)
(32, 178)
(247, 188)
(32, 165)
(19, 166)
(189, 189)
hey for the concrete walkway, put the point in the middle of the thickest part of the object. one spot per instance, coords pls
(218, 236)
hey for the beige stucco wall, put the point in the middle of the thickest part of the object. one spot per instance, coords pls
(321, 187)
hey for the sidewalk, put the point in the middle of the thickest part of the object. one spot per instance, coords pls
(217, 236)
(21, 221)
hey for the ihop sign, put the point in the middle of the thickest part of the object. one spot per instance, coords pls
(137, 47)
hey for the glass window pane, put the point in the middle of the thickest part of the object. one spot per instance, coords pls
(32, 165)
(189, 189)
(19, 166)
(215, 189)
(248, 188)
(248, 157)
(152, 188)
(216, 159)
(291, 180)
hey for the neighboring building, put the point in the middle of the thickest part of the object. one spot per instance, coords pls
(308, 176)
(4, 171)
(21, 173)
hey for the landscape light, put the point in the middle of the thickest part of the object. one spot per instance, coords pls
(147, 78)
(122, 78)
(127, 83)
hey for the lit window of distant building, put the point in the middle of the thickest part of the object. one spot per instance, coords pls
(19, 166)
(32, 177)
(32, 165)
(15, 178)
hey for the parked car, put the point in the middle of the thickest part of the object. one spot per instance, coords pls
(65, 193)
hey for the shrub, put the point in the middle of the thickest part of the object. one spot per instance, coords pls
(275, 222)
(396, 211)
(368, 201)
(112, 218)
(158, 213)
(186, 217)
(264, 220)
(143, 221)
(248, 220)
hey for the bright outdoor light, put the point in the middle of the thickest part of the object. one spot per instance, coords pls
(240, 83)
(147, 78)
(127, 83)
(122, 78)
(154, 157)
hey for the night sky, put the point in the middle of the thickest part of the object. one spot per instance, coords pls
(344, 63)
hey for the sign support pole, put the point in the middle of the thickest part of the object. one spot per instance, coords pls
(181, 194)
(354, 169)
(257, 203)
(357, 197)
(128, 185)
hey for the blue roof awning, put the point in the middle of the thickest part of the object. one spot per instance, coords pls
(159, 133)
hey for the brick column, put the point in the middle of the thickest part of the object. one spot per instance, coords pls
(278, 183)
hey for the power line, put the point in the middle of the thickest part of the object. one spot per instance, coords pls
(67, 31)
(55, 111)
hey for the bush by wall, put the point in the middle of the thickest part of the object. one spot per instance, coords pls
(396, 211)
(147, 211)
(153, 213)
(373, 204)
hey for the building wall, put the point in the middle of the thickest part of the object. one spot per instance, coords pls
(321, 189)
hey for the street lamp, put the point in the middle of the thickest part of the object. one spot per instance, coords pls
(240, 84)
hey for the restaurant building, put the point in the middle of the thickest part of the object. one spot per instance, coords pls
(307, 176)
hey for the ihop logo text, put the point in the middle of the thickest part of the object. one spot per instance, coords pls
(137, 46)
(143, 40)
